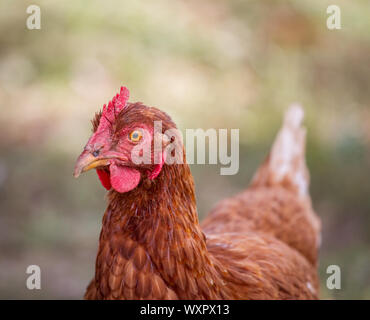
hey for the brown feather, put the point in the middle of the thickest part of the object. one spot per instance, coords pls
(260, 244)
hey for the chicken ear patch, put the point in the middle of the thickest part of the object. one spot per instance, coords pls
(158, 167)
(123, 179)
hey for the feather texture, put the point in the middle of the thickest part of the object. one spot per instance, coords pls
(259, 244)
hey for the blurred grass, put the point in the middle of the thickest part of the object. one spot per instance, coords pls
(209, 64)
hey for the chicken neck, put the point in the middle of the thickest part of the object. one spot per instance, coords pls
(160, 218)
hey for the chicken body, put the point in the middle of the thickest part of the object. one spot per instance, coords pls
(274, 239)
(260, 244)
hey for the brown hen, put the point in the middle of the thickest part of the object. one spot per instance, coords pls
(260, 244)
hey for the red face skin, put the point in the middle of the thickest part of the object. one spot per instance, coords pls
(118, 170)
(110, 151)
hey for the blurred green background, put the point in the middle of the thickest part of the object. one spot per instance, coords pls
(209, 64)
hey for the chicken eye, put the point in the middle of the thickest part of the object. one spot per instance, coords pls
(96, 153)
(136, 135)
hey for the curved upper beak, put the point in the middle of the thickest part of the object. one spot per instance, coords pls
(86, 161)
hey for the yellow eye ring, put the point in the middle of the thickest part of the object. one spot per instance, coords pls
(136, 136)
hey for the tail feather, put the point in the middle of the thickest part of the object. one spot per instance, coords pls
(286, 164)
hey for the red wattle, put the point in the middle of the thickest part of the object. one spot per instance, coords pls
(123, 179)
(104, 178)
(158, 168)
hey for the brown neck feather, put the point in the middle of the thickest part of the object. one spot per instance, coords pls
(160, 218)
(166, 203)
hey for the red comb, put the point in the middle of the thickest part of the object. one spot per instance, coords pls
(115, 106)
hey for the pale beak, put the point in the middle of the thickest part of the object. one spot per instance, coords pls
(86, 161)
